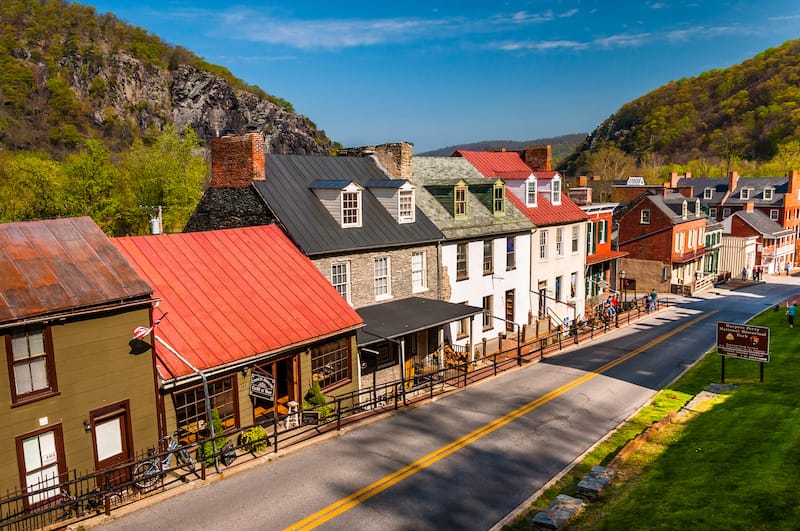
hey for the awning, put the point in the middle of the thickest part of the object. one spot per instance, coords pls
(395, 319)
(593, 259)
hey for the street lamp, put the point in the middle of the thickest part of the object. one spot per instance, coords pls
(622, 276)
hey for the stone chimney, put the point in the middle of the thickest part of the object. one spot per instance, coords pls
(581, 196)
(538, 158)
(397, 159)
(733, 178)
(237, 160)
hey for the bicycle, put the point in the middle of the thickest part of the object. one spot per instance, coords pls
(75, 507)
(147, 473)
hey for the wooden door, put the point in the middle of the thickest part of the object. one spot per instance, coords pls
(111, 436)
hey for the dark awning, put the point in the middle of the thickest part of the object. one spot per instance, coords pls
(394, 319)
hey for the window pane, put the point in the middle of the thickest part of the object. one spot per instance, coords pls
(19, 344)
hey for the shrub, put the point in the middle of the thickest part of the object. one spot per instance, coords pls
(205, 452)
(317, 401)
(254, 440)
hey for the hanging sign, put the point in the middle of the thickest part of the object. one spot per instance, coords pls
(262, 386)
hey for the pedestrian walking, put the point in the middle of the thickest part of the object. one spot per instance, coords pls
(755, 274)
(790, 314)
(786, 268)
(648, 303)
(744, 273)
(653, 297)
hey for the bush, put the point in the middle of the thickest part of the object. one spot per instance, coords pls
(254, 440)
(317, 401)
(205, 452)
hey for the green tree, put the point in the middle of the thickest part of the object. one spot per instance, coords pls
(168, 171)
(91, 187)
(30, 187)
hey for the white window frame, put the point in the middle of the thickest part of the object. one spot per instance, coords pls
(341, 279)
(712, 213)
(644, 217)
(576, 238)
(405, 206)
(543, 244)
(744, 193)
(692, 237)
(555, 190)
(684, 210)
(769, 193)
(591, 238)
(531, 192)
(419, 276)
(726, 213)
(382, 277)
(602, 230)
(351, 208)
(560, 242)
(774, 214)
(708, 193)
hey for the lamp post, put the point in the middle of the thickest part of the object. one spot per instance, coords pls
(622, 276)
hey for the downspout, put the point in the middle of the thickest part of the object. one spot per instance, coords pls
(206, 398)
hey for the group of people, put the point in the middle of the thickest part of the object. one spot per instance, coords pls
(610, 307)
(757, 271)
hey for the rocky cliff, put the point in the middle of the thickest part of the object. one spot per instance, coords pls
(68, 74)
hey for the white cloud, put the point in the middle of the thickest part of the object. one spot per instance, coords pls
(570, 13)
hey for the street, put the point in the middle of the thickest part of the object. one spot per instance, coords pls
(467, 460)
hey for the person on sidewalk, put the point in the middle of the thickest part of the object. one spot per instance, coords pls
(786, 268)
(744, 273)
(790, 314)
(653, 297)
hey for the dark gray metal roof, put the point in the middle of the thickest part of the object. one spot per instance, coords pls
(322, 184)
(761, 223)
(672, 206)
(719, 187)
(405, 316)
(287, 192)
(386, 183)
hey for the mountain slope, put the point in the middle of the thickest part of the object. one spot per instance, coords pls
(561, 145)
(745, 111)
(68, 74)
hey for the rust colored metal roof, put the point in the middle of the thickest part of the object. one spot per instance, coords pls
(56, 266)
(505, 164)
(546, 213)
(234, 294)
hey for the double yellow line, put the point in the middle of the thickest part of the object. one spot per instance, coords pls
(345, 504)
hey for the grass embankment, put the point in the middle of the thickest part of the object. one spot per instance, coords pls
(734, 466)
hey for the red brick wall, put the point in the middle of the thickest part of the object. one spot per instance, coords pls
(236, 161)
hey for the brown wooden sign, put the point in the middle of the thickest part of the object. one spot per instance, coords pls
(743, 341)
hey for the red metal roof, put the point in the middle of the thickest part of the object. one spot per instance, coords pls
(57, 265)
(604, 257)
(546, 213)
(505, 164)
(234, 294)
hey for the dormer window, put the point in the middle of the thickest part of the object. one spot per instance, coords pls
(555, 191)
(499, 199)
(460, 206)
(684, 210)
(744, 193)
(351, 208)
(769, 193)
(707, 193)
(697, 210)
(530, 192)
(405, 206)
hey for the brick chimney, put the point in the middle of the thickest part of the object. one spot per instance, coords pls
(733, 178)
(583, 181)
(673, 179)
(749, 206)
(538, 158)
(237, 160)
(794, 183)
(397, 159)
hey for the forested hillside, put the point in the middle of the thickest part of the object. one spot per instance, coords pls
(68, 74)
(740, 115)
(562, 146)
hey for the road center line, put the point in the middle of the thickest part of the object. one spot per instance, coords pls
(345, 504)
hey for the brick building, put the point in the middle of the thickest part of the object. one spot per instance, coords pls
(665, 237)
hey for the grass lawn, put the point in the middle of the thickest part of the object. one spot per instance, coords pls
(734, 466)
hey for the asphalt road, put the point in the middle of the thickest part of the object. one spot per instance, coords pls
(467, 460)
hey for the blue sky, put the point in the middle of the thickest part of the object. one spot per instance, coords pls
(445, 73)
